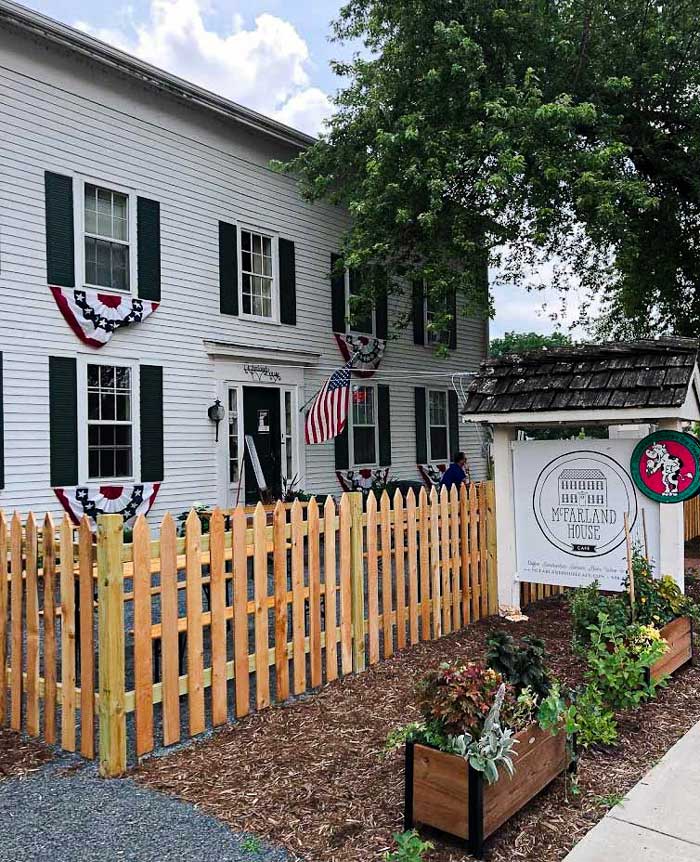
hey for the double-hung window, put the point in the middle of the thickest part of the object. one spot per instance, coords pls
(364, 425)
(258, 287)
(360, 317)
(433, 310)
(110, 430)
(106, 238)
(437, 425)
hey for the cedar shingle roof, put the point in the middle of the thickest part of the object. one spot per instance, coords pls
(646, 373)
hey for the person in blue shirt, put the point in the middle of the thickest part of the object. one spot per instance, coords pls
(455, 474)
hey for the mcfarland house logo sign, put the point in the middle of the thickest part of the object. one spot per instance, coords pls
(580, 500)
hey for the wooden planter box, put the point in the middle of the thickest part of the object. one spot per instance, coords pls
(679, 636)
(444, 792)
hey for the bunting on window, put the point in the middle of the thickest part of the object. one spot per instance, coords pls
(129, 501)
(367, 350)
(96, 316)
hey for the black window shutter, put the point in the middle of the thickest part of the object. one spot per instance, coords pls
(60, 249)
(421, 436)
(418, 314)
(337, 296)
(148, 239)
(2, 431)
(342, 450)
(228, 268)
(288, 283)
(63, 420)
(151, 404)
(382, 316)
(453, 418)
(453, 323)
(384, 419)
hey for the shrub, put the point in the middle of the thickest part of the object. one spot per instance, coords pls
(523, 666)
(586, 604)
(459, 696)
(618, 663)
(591, 720)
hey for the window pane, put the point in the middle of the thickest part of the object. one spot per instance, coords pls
(107, 376)
(438, 408)
(364, 445)
(438, 444)
(93, 405)
(123, 408)
(122, 458)
(245, 240)
(93, 375)
(93, 463)
(123, 378)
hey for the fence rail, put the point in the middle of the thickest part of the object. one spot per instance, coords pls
(185, 632)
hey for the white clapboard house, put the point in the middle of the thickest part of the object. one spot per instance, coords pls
(130, 196)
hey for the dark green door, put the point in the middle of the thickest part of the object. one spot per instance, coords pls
(261, 421)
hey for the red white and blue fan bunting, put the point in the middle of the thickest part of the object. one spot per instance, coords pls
(367, 350)
(95, 316)
(129, 501)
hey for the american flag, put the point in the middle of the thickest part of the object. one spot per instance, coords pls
(329, 412)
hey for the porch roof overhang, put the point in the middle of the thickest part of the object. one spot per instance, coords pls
(239, 352)
(608, 384)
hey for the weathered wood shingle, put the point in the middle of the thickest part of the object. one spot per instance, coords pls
(647, 373)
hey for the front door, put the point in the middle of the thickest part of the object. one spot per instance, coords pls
(261, 421)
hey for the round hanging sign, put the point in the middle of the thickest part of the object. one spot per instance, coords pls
(665, 466)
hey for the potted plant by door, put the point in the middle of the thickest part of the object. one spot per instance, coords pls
(480, 753)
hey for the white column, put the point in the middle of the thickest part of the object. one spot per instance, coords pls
(508, 587)
(671, 530)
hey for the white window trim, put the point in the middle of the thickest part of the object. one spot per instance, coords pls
(348, 329)
(428, 425)
(82, 364)
(293, 432)
(80, 181)
(351, 436)
(274, 236)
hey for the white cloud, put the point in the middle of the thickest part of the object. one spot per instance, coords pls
(264, 68)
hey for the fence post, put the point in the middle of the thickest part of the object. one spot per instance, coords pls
(357, 581)
(491, 548)
(110, 622)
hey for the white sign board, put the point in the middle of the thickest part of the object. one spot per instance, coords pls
(570, 500)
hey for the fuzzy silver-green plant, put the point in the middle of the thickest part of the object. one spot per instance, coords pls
(493, 748)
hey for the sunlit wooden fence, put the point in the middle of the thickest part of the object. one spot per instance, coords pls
(691, 518)
(110, 646)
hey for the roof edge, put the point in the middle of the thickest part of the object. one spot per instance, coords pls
(107, 55)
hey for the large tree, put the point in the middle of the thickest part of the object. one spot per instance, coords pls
(527, 130)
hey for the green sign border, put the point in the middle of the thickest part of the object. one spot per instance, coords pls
(690, 442)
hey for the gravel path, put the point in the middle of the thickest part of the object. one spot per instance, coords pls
(64, 812)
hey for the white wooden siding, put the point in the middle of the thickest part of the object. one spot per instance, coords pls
(62, 113)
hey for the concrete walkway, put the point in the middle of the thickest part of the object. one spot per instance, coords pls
(658, 820)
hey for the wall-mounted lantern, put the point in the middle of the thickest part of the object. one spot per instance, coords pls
(216, 413)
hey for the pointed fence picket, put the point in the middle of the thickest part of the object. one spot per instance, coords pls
(170, 634)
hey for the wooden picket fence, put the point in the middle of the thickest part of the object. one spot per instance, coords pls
(691, 518)
(186, 632)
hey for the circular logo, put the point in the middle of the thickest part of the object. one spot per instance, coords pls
(666, 466)
(580, 500)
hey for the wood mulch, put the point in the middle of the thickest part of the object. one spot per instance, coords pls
(312, 775)
(20, 755)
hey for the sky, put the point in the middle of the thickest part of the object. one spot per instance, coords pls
(269, 55)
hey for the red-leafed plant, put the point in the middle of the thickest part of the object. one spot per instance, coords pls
(459, 695)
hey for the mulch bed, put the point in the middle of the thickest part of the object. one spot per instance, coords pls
(312, 776)
(20, 755)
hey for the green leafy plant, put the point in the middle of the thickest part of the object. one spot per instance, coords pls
(522, 665)
(554, 710)
(252, 844)
(430, 733)
(459, 695)
(591, 720)
(618, 663)
(202, 510)
(494, 747)
(409, 848)
(586, 604)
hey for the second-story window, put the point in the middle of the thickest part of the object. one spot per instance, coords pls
(360, 319)
(106, 226)
(433, 334)
(257, 275)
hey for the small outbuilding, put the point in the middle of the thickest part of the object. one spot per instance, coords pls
(654, 384)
